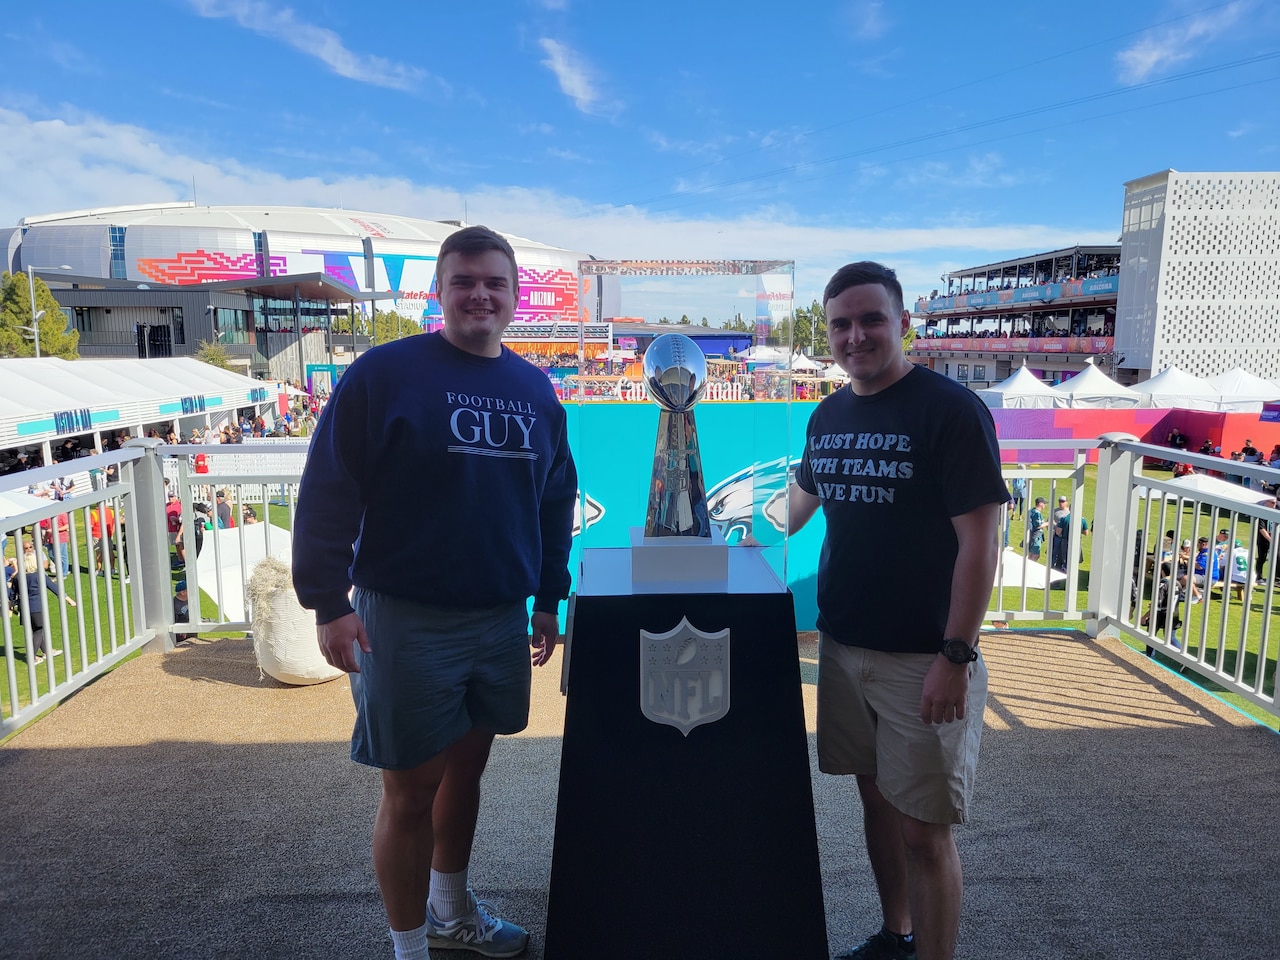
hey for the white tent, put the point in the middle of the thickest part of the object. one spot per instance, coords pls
(834, 372)
(1176, 388)
(1194, 486)
(1022, 391)
(16, 502)
(802, 363)
(1091, 388)
(219, 563)
(1242, 392)
(1015, 570)
(109, 395)
(761, 354)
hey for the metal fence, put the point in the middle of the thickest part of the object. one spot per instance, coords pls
(122, 581)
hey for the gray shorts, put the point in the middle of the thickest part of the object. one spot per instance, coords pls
(434, 674)
(869, 723)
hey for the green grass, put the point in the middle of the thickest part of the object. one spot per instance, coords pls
(1193, 524)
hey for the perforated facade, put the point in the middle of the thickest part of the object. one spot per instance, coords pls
(1200, 273)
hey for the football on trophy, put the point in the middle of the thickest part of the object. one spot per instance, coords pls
(675, 372)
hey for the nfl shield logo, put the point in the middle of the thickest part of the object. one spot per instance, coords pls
(684, 676)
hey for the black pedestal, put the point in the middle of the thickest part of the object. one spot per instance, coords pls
(672, 846)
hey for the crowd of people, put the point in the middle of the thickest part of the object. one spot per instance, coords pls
(1108, 329)
(1037, 281)
(1247, 453)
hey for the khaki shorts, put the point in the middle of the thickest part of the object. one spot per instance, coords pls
(869, 723)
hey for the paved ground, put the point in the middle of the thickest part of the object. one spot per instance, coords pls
(184, 807)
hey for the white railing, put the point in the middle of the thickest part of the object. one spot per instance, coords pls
(90, 605)
(1220, 628)
(1226, 637)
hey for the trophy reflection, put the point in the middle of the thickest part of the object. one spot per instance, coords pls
(675, 373)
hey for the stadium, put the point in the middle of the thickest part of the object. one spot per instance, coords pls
(153, 280)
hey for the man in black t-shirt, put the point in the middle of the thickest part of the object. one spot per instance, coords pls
(905, 466)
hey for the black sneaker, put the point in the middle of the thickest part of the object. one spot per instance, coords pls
(881, 945)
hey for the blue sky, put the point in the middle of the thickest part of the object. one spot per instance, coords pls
(926, 135)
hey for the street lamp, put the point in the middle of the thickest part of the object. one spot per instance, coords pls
(34, 329)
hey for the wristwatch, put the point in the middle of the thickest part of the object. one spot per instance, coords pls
(959, 651)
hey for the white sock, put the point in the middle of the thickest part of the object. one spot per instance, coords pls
(449, 898)
(411, 944)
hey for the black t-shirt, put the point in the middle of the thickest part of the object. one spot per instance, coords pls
(891, 470)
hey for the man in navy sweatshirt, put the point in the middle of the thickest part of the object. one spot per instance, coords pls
(435, 634)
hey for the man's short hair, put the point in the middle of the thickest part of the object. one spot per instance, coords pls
(1041, 500)
(859, 274)
(470, 241)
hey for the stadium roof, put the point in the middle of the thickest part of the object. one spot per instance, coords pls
(1103, 250)
(324, 221)
(311, 286)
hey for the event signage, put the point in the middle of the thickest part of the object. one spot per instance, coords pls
(1016, 344)
(73, 421)
(1044, 293)
(678, 268)
(192, 405)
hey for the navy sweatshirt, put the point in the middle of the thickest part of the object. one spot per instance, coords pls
(451, 475)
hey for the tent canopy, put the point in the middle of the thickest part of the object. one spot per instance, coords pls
(1093, 388)
(1021, 391)
(1177, 388)
(36, 394)
(800, 362)
(1243, 392)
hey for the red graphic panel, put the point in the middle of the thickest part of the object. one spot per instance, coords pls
(547, 296)
(202, 266)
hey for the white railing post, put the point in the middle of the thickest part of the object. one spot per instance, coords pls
(149, 545)
(1111, 556)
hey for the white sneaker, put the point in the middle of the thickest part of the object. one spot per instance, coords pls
(478, 930)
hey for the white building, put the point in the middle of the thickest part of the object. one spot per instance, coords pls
(1200, 274)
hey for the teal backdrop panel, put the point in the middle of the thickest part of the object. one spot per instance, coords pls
(613, 447)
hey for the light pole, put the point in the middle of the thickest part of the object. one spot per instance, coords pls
(34, 329)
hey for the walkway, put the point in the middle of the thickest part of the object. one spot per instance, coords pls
(182, 807)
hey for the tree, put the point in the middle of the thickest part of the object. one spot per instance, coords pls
(389, 325)
(704, 322)
(811, 327)
(684, 319)
(663, 320)
(214, 354)
(15, 311)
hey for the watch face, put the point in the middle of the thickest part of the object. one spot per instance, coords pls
(957, 651)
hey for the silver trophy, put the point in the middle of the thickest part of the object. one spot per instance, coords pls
(675, 373)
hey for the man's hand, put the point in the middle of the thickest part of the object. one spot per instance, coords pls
(337, 639)
(546, 633)
(946, 691)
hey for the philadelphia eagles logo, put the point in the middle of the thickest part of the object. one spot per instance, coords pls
(761, 490)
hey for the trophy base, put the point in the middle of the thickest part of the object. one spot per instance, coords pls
(661, 833)
(679, 564)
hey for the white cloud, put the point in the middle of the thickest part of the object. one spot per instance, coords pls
(980, 171)
(574, 75)
(1163, 48)
(325, 45)
(1246, 127)
(80, 161)
(869, 21)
